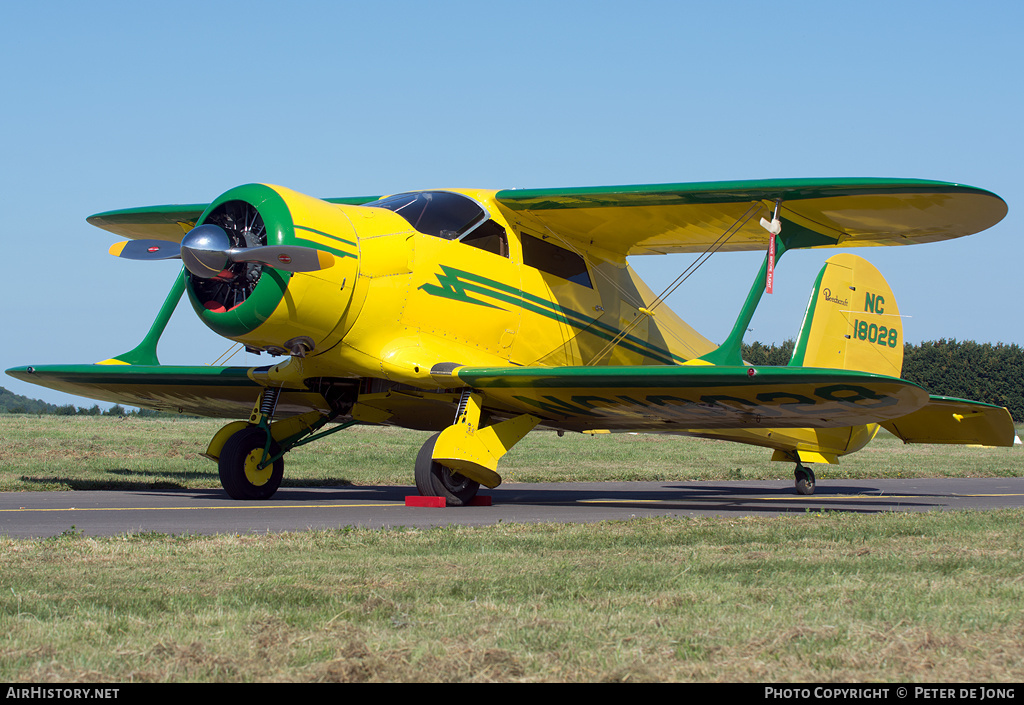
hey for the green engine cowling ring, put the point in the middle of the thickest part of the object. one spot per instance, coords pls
(269, 291)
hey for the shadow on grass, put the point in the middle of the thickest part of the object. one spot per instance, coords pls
(555, 500)
(581, 501)
(145, 481)
(95, 485)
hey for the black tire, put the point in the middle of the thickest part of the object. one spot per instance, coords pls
(238, 458)
(436, 480)
(805, 480)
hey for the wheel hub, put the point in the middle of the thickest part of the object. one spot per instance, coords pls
(253, 472)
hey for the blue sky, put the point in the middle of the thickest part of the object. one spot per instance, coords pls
(119, 104)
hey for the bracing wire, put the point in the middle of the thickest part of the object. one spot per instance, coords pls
(694, 266)
(227, 355)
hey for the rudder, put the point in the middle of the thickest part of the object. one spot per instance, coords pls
(852, 321)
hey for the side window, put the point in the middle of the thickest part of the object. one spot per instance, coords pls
(549, 257)
(489, 237)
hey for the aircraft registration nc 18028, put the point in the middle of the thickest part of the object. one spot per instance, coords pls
(482, 315)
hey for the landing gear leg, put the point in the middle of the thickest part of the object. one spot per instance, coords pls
(805, 479)
(249, 454)
(435, 480)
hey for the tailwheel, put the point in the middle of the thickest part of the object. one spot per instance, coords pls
(436, 480)
(805, 479)
(239, 465)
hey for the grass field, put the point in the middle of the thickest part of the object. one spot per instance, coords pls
(935, 597)
(93, 452)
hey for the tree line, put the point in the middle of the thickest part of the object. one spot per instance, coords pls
(11, 403)
(969, 370)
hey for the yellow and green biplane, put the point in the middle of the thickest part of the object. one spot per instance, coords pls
(482, 315)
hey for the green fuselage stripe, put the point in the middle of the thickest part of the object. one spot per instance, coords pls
(333, 238)
(329, 235)
(457, 284)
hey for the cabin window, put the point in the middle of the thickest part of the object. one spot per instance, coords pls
(549, 257)
(439, 213)
(450, 216)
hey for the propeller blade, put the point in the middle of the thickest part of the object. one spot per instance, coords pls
(287, 258)
(146, 249)
(206, 251)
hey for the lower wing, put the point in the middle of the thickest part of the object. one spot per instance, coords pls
(696, 397)
(221, 392)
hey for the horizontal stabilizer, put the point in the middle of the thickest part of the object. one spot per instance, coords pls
(955, 421)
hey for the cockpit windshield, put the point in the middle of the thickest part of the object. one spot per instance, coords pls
(439, 213)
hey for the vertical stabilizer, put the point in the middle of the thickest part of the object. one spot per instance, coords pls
(852, 321)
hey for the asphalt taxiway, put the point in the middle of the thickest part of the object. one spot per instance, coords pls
(107, 513)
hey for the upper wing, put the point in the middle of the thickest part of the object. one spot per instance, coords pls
(658, 219)
(171, 222)
(220, 392)
(663, 218)
(150, 223)
(695, 397)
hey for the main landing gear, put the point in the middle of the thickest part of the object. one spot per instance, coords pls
(243, 472)
(452, 464)
(435, 480)
(249, 455)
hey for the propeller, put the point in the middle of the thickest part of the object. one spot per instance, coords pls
(207, 253)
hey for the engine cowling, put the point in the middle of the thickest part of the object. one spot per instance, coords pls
(270, 309)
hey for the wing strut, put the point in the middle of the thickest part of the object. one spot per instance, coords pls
(730, 352)
(145, 352)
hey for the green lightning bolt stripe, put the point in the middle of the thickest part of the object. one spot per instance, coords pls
(458, 285)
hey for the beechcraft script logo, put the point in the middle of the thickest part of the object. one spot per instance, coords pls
(827, 293)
